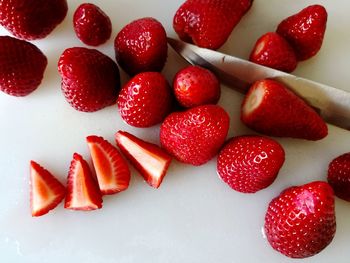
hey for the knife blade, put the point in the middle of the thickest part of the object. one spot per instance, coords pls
(331, 103)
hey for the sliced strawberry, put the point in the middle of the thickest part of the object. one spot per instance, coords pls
(150, 160)
(46, 192)
(112, 171)
(82, 188)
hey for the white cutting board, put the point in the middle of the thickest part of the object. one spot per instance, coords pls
(193, 217)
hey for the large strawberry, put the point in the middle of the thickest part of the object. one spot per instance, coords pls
(339, 176)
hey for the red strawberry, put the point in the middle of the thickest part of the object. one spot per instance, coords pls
(29, 19)
(145, 100)
(300, 222)
(90, 79)
(339, 176)
(22, 66)
(250, 163)
(270, 108)
(141, 46)
(46, 192)
(208, 23)
(92, 26)
(196, 135)
(83, 192)
(150, 160)
(194, 86)
(112, 171)
(305, 30)
(272, 50)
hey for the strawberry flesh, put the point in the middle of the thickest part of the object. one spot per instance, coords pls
(339, 176)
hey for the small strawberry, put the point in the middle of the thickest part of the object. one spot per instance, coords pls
(300, 222)
(194, 86)
(46, 192)
(92, 26)
(28, 19)
(270, 108)
(209, 23)
(145, 100)
(305, 30)
(196, 135)
(250, 163)
(150, 160)
(141, 46)
(339, 176)
(83, 192)
(22, 66)
(272, 50)
(90, 79)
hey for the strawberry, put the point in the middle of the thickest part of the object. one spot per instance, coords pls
(194, 86)
(270, 108)
(300, 222)
(83, 192)
(145, 100)
(141, 46)
(92, 26)
(209, 23)
(150, 160)
(31, 20)
(112, 171)
(90, 79)
(196, 135)
(46, 192)
(22, 66)
(339, 176)
(250, 163)
(272, 50)
(305, 30)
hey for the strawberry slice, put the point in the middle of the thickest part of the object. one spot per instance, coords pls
(149, 159)
(112, 171)
(46, 192)
(82, 188)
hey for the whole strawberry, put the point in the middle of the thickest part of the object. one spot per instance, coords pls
(194, 86)
(90, 79)
(28, 19)
(250, 163)
(196, 135)
(305, 30)
(92, 26)
(22, 66)
(209, 23)
(339, 176)
(145, 100)
(300, 222)
(141, 46)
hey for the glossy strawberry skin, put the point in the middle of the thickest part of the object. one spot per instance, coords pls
(22, 66)
(209, 23)
(305, 30)
(90, 79)
(91, 25)
(29, 20)
(300, 222)
(272, 50)
(141, 46)
(250, 163)
(196, 135)
(339, 176)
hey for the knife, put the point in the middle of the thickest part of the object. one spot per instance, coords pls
(331, 103)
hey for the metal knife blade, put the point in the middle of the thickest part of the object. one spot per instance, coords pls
(331, 103)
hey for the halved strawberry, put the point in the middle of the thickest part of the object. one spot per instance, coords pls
(46, 192)
(149, 159)
(112, 171)
(82, 188)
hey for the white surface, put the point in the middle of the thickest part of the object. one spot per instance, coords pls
(193, 216)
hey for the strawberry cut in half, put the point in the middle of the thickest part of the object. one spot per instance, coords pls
(112, 171)
(149, 159)
(46, 192)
